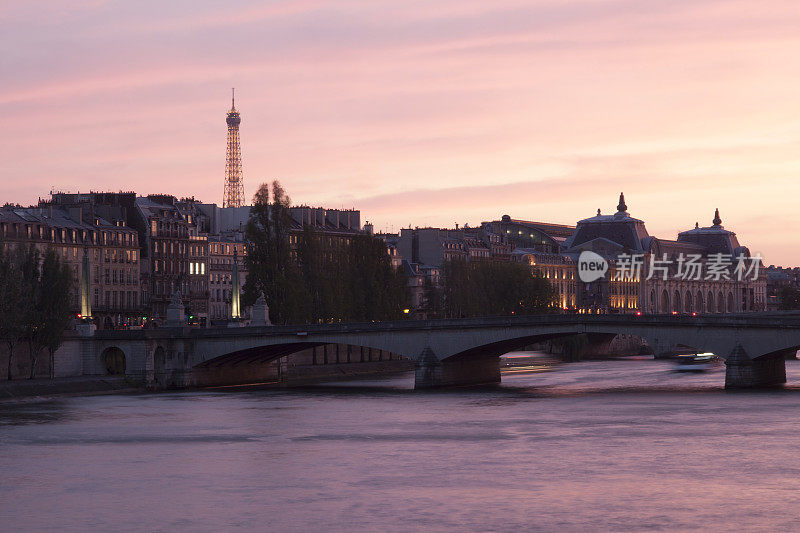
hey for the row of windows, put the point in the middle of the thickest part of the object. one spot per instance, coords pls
(167, 229)
(197, 250)
(221, 295)
(114, 276)
(227, 249)
(62, 235)
(171, 247)
(221, 261)
(120, 256)
(117, 299)
(161, 266)
(221, 278)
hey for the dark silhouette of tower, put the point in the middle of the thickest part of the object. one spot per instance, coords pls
(233, 196)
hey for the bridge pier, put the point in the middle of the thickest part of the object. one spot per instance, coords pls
(741, 372)
(432, 373)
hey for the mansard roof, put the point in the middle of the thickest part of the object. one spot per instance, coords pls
(659, 247)
(715, 238)
(631, 236)
(620, 228)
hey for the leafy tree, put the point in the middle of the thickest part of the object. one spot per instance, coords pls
(35, 303)
(376, 290)
(270, 261)
(56, 288)
(11, 302)
(32, 318)
(314, 280)
(325, 276)
(432, 295)
(486, 288)
(788, 298)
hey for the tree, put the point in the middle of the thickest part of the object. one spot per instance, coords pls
(486, 288)
(353, 283)
(32, 318)
(376, 290)
(11, 303)
(325, 277)
(270, 261)
(307, 278)
(56, 288)
(432, 295)
(788, 298)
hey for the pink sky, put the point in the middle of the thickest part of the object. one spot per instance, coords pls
(420, 113)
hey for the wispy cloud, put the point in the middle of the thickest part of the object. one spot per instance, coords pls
(418, 112)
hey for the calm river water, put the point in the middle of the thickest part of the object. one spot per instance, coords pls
(592, 446)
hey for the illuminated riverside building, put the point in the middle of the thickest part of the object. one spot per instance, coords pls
(619, 237)
(553, 250)
(83, 240)
(558, 269)
(170, 249)
(225, 251)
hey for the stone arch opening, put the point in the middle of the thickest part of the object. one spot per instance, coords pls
(676, 304)
(710, 302)
(687, 302)
(730, 302)
(698, 304)
(300, 361)
(114, 361)
(665, 307)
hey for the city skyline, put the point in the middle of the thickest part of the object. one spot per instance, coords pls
(431, 115)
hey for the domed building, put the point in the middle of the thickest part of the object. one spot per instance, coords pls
(705, 270)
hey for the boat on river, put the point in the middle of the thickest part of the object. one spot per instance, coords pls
(695, 362)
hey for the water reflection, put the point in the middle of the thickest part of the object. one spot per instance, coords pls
(599, 445)
(31, 411)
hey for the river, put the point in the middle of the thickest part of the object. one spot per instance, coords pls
(591, 446)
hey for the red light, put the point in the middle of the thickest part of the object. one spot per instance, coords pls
(694, 314)
(80, 315)
(674, 312)
(638, 313)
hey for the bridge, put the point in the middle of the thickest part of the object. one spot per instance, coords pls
(445, 352)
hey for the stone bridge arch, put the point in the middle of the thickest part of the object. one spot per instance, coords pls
(114, 361)
(437, 343)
